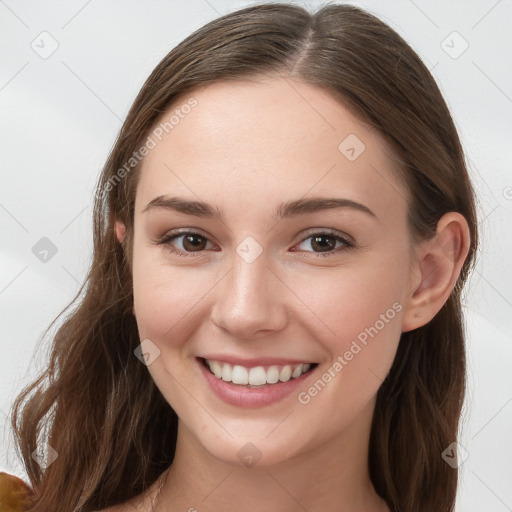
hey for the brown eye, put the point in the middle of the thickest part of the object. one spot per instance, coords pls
(184, 243)
(193, 242)
(324, 243)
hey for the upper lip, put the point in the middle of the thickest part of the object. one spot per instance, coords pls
(254, 361)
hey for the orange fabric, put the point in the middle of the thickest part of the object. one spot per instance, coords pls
(15, 494)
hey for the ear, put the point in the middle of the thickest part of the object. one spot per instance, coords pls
(436, 269)
(120, 230)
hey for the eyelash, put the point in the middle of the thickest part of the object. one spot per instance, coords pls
(172, 235)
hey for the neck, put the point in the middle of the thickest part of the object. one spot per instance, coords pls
(332, 477)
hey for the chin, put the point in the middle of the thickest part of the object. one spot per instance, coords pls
(250, 453)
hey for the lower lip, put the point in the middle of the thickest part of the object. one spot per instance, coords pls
(242, 396)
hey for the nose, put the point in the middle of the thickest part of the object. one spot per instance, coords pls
(250, 302)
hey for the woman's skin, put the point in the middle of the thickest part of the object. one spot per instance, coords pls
(246, 148)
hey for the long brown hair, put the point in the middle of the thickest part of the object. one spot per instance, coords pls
(97, 406)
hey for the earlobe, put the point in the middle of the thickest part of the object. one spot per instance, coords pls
(439, 264)
(120, 230)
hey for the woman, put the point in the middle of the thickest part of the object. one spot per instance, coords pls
(272, 315)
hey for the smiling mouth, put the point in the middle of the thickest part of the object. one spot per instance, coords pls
(256, 376)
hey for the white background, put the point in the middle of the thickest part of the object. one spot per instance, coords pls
(59, 119)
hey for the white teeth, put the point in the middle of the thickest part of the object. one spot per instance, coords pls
(227, 372)
(272, 375)
(258, 375)
(297, 371)
(286, 373)
(216, 368)
(240, 375)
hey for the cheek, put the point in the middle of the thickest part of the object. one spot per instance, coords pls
(356, 315)
(166, 298)
(358, 323)
(346, 301)
(161, 299)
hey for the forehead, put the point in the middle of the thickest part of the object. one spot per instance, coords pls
(265, 142)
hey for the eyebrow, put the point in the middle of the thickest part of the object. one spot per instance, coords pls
(285, 210)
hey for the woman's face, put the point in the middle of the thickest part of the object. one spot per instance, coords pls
(302, 257)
